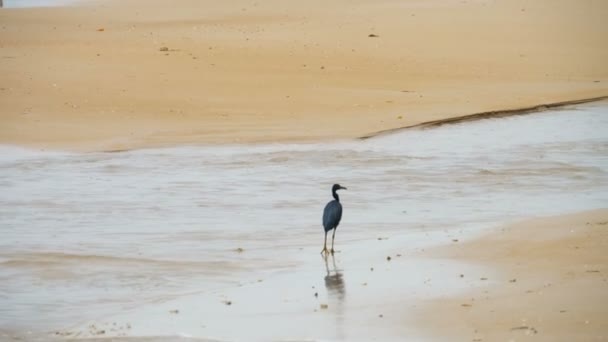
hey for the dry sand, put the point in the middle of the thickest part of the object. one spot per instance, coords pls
(93, 77)
(553, 284)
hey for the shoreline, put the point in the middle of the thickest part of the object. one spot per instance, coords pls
(332, 294)
(492, 114)
(483, 286)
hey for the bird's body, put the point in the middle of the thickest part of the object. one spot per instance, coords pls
(332, 214)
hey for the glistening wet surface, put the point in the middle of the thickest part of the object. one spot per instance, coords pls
(129, 236)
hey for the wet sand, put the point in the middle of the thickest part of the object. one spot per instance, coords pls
(551, 283)
(93, 77)
(540, 279)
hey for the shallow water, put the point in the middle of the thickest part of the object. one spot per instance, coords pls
(116, 231)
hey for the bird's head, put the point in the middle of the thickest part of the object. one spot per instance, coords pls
(337, 187)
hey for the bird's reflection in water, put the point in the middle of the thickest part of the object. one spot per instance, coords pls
(336, 293)
(334, 281)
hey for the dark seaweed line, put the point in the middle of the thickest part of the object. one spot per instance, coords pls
(486, 115)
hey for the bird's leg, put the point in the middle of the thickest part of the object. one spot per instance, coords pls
(332, 241)
(324, 250)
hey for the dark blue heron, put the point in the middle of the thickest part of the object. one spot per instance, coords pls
(332, 216)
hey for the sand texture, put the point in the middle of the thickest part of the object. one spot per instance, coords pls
(552, 283)
(126, 74)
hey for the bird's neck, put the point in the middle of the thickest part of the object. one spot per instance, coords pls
(336, 196)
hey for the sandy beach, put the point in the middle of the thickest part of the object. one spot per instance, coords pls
(126, 74)
(229, 121)
(551, 285)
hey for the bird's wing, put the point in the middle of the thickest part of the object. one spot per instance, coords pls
(332, 215)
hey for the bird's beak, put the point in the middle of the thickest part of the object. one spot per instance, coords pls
(343, 187)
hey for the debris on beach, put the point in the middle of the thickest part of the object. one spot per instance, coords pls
(94, 330)
(175, 311)
(316, 294)
(528, 329)
(163, 49)
(324, 306)
(512, 280)
(466, 305)
(483, 278)
(101, 29)
(371, 35)
(228, 302)
(388, 258)
(239, 250)
(380, 315)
